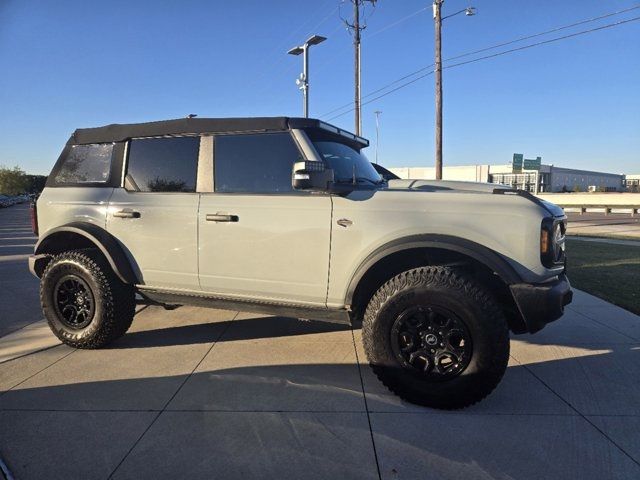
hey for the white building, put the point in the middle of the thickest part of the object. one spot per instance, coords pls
(632, 182)
(548, 179)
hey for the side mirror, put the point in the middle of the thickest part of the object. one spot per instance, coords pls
(311, 175)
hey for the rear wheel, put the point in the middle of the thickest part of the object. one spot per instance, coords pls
(85, 303)
(435, 337)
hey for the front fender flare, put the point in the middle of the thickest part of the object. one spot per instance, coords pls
(103, 240)
(480, 253)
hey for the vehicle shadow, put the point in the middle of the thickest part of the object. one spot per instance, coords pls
(246, 329)
(283, 419)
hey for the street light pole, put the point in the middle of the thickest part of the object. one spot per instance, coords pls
(377, 112)
(437, 16)
(303, 80)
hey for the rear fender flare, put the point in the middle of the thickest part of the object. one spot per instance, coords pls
(103, 240)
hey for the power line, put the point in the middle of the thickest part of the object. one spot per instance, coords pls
(544, 42)
(520, 39)
(486, 57)
(398, 22)
(553, 30)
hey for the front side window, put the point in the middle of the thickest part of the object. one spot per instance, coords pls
(86, 164)
(254, 163)
(163, 164)
(348, 164)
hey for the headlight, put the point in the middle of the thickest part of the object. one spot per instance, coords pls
(552, 236)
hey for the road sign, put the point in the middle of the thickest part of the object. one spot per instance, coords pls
(517, 162)
(530, 164)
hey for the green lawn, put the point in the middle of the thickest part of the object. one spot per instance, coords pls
(608, 271)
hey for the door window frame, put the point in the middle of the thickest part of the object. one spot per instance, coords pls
(303, 152)
(125, 163)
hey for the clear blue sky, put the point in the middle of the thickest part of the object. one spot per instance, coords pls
(68, 64)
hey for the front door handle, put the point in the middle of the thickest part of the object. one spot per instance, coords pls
(127, 213)
(221, 217)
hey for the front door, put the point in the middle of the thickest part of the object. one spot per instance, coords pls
(260, 239)
(155, 215)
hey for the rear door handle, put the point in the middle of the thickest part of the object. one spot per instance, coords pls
(221, 217)
(127, 213)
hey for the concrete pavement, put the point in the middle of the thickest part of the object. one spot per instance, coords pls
(203, 393)
(200, 393)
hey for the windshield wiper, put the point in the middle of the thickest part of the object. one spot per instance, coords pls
(356, 180)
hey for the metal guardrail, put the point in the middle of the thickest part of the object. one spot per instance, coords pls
(607, 208)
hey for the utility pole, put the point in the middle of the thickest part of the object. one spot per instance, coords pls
(377, 112)
(357, 26)
(437, 16)
(356, 43)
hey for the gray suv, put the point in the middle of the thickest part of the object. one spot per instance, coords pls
(286, 216)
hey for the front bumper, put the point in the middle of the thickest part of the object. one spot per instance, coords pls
(542, 303)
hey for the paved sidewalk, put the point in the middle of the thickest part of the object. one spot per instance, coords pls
(613, 241)
(619, 225)
(197, 393)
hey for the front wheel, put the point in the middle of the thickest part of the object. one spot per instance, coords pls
(85, 303)
(436, 338)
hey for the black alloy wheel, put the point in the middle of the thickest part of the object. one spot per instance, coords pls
(431, 342)
(74, 302)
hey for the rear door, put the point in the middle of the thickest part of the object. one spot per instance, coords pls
(260, 239)
(155, 215)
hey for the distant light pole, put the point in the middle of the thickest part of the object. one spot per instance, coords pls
(437, 17)
(303, 81)
(377, 112)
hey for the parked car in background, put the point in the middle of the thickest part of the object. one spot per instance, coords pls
(5, 201)
(384, 173)
(9, 200)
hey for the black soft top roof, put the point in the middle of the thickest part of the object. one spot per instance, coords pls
(121, 132)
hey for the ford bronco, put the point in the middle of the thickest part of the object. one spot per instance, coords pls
(286, 216)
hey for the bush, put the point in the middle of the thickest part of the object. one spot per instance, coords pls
(13, 181)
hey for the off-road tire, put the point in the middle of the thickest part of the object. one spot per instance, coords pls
(442, 287)
(114, 301)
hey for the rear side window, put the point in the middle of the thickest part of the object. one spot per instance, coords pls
(254, 163)
(85, 164)
(163, 164)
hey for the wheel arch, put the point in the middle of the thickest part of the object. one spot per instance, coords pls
(78, 235)
(420, 250)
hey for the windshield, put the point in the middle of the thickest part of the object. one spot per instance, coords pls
(347, 163)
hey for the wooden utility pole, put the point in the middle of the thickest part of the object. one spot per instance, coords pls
(357, 26)
(437, 16)
(356, 43)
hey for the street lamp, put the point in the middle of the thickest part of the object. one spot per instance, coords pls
(303, 80)
(437, 17)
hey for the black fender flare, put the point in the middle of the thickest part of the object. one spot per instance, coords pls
(480, 253)
(103, 240)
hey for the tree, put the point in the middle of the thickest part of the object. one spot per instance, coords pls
(35, 183)
(12, 180)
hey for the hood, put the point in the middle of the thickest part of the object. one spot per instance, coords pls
(444, 186)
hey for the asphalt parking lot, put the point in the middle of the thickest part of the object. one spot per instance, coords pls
(201, 393)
